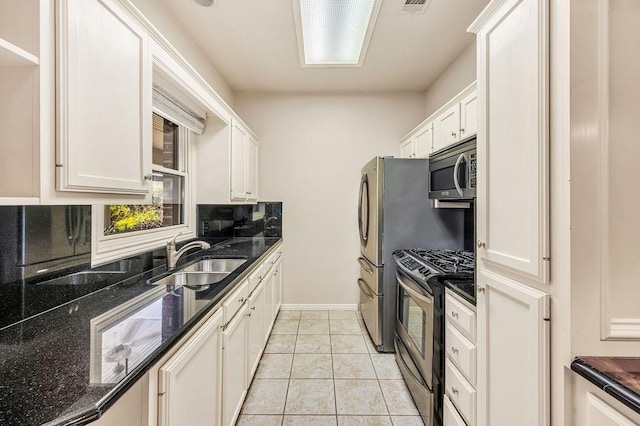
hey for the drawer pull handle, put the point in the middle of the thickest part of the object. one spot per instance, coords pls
(454, 314)
(454, 350)
(454, 390)
(241, 300)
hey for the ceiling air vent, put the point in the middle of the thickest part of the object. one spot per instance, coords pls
(414, 7)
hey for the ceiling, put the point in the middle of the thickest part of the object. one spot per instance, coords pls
(253, 45)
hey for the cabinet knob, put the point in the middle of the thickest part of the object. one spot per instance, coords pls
(454, 390)
(481, 244)
(454, 314)
(454, 350)
(241, 300)
(453, 134)
(480, 289)
(461, 130)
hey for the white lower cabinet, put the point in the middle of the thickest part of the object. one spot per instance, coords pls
(255, 332)
(513, 348)
(234, 363)
(268, 304)
(460, 361)
(277, 287)
(451, 416)
(189, 385)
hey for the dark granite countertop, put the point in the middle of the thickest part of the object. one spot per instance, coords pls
(617, 376)
(68, 364)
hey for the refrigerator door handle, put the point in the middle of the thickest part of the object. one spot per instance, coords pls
(365, 288)
(363, 222)
(365, 265)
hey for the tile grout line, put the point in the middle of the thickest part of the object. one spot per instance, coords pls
(333, 372)
(286, 395)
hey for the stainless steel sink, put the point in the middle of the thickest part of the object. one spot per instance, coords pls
(192, 279)
(215, 265)
(82, 278)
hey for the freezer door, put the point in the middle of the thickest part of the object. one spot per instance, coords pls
(370, 305)
(369, 205)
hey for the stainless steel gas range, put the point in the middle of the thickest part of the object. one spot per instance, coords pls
(421, 277)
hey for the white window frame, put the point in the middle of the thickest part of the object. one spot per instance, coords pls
(109, 248)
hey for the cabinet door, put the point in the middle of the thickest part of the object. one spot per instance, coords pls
(234, 362)
(424, 141)
(238, 162)
(406, 148)
(277, 287)
(469, 115)
(512, 195)
(189, 384)
(268, 304)
(447, 128)
(599, 413)
(104, 86)
(513, 353)
(252, 169)
(255, 332)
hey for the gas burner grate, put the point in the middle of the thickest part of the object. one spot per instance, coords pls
(447, 261)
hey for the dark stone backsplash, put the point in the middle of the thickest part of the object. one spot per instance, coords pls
(220, 222)
(42, 243)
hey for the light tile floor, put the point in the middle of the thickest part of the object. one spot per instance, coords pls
(320, 368)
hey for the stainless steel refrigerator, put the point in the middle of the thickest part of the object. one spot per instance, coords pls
(394, 212)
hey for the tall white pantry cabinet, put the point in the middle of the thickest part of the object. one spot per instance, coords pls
(512, 214)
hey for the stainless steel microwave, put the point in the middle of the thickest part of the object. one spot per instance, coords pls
(452, 172)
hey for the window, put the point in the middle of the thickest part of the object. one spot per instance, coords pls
(121, 230)
(167, 185)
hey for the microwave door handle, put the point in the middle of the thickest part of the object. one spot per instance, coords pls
(414, 293)
(455, 173)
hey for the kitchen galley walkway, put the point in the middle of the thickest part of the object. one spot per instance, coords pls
(320, 368)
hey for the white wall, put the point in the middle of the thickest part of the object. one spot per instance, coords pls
(159, 15)
(460, 74)
(312, 148)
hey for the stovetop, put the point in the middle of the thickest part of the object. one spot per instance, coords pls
(453, 268)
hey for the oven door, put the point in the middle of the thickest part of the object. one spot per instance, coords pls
(414, 324)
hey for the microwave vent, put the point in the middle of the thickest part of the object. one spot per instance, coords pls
(414, 7)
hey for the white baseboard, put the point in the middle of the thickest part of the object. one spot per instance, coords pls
(319, 307)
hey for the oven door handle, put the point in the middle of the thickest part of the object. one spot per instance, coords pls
(365, 288)
(414, 293)
(460, 159)
(362, 261)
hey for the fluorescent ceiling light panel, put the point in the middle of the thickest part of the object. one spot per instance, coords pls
(336, 32)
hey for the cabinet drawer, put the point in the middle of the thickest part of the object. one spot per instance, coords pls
(235, 301)
(463, 318)
(256, 277)
(461, 352)
(451, 416)
(461, 393)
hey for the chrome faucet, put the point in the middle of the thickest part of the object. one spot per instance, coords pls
(173, 255)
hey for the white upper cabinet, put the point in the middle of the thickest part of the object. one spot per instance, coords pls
(424, 141)
(252, 169)
(238, 162)
(244, 164)
(407, 148)
(469, 115)
(419, 144)
(103, 99)
(190, 382)
(20, 74)
(447, 127)
(512, 197)
(455, 121)
(513, 353)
